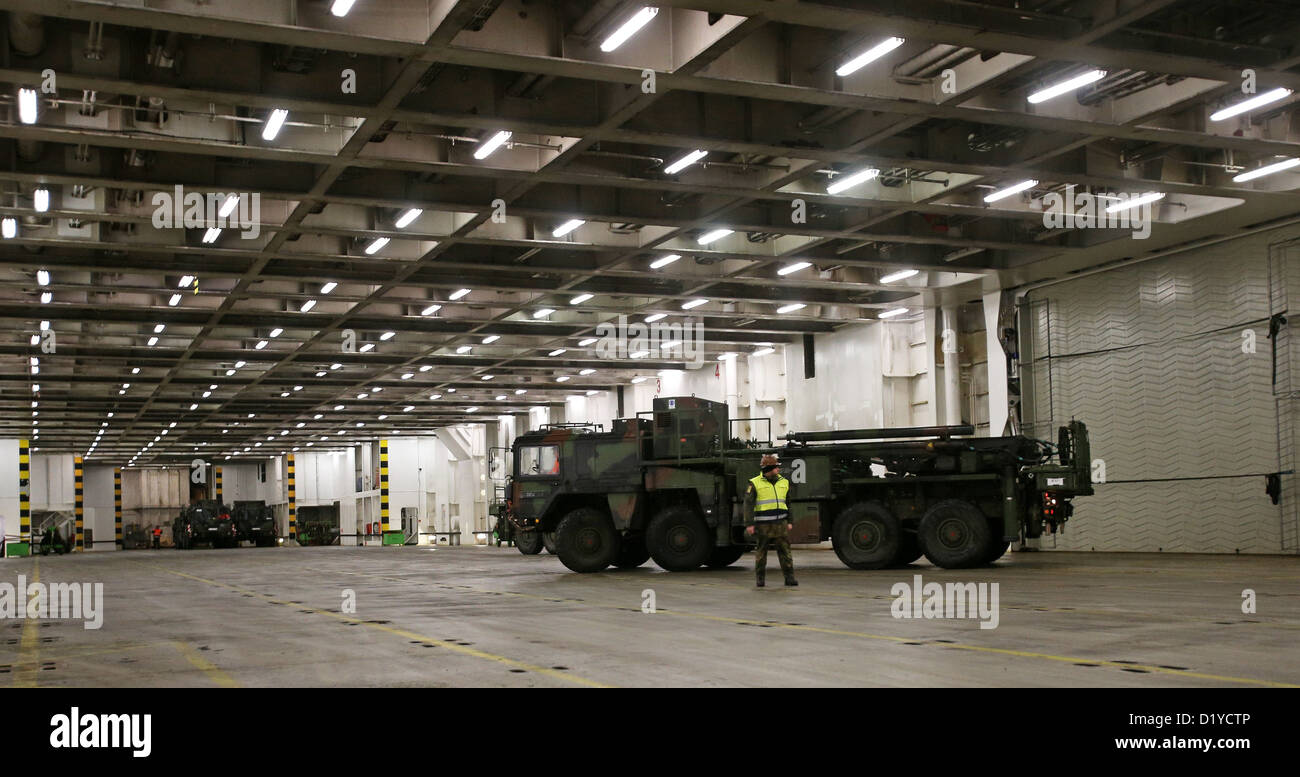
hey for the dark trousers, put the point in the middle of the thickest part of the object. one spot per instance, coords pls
(773, 534)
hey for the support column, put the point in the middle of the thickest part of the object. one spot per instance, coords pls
(79, 495)
(292, 481)
(949, 340)
(117, 507)
(216, 480)
(998, 408)
(25, 492)
(383, 489)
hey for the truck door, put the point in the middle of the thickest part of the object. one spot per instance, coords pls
(539, 477)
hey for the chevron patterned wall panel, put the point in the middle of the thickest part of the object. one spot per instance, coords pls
(1151, 358)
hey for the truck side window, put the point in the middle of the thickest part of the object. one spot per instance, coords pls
(539, 460)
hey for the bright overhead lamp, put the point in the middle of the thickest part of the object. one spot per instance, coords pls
(27, 106)
(670, 344)
(327, 288)
(557, 352)
(239, 365)
(387, 335)
(341, 7)
(500, 397)
(487, 377)
(653, 317)
(408, 217)
(586, 342)
(211, 235)
(1067, 86)
(408, 408)
(581, 298)
(695, 303)
(1276, 167)
(455, 295)
(796, 267)
(42, 199)
(1002, 194)
(587, 371)
(336, 366)
(490, 339)
(519, 392)
(664, 261)
(408, 375)
(426, 368)
(898, 276)
(471, 409)
(712, 235)
(638, 380)
(376, 244)
(185, 281)
(430, 310)
(685, 162)
(277, 332)
(629, 28)
(367, 347)
(306, 306)
(849, 181)
(870, 55)
(1136, 202)
(260, 345)
(1259, 100)
(567, 227)
(638, 354)
(894, 312)
(273, 123)
(492, 144)
(229, 373)
(464, 349)
(43, 277)
(792, 307)
(9, 228)
(543, 313)
(228, 205)
(175, 300)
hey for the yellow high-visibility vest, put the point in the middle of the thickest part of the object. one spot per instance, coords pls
(769, 498)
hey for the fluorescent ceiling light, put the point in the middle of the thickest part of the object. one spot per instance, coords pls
(153, 341)
(430, 310)
(1067, 86)
(670, 344)
(685, 162)
(1135, 202)
(695, 303)
(158, 328)
(308, 305)
(9, 227)
(663, 261)
(581, 298)
(471, 409)
(43, 277)
(387, 335)
(464, 349)
(500, 397)
(239, 365)
(408, 217)
(796, 267)
(210, 236)
(228, 205)
(185, 281)
(1259, 100)
(425, 368)
(587, 371)
(653, 317)
(1276, 167)
(487, 377)
(584, 343)
(486, 148)
(260, 345)
(42, 199)
(848, 182)
(455, 295)
(341, 7)
(277, 332)
(870, 55)
(567, 227)
(792, 307)
(273, 123)
(27, 106)
(367, 347)
(1010, 190)
(327, 288)
(894, 312)
(629, 28)
(376, 244)
(520, 391)
(638, 354)
(712, 235)
(490, 339)
(175, 300)
(898, 276)
(543, 313)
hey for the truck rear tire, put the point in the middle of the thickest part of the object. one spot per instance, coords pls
(548, 542)
(529, 543)
(997, 546)
(632, 552)
(586, 541)
(725, 556)
(954, 534)
(866, 536)
(679, 539)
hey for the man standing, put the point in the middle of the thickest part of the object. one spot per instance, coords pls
(767, 517)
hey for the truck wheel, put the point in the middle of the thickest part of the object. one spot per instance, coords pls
(909, 549)
(725, 556)
(678, 539)
(954, 534)
(997, 546)
(548, 542)
(529, 543)
(632, 552)
(866, 536)
(586, 540)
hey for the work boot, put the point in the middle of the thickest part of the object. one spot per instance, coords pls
(789, 580)
(759, 578)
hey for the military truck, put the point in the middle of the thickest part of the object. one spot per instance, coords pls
(255, 522)
(671, 487)
(207, 521)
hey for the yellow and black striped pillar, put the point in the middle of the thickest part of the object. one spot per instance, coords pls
(293, 500)
(217, 480)
(24, 491)
(80, 491)
(383, 484)
(117, 506)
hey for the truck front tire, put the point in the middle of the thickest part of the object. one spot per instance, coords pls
(954, 534)
(529, 543)
(586, 541)
(548, 542)
(866, 536)
(679, 539)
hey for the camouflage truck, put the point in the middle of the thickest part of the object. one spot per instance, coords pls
(255, 522)
(207, 521)
(671, 487)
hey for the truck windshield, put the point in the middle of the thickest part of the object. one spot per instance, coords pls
(539, 460)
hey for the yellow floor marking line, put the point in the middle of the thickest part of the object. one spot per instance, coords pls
(463, 650)
(205, 666)
(883, 637)
(29, 650)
